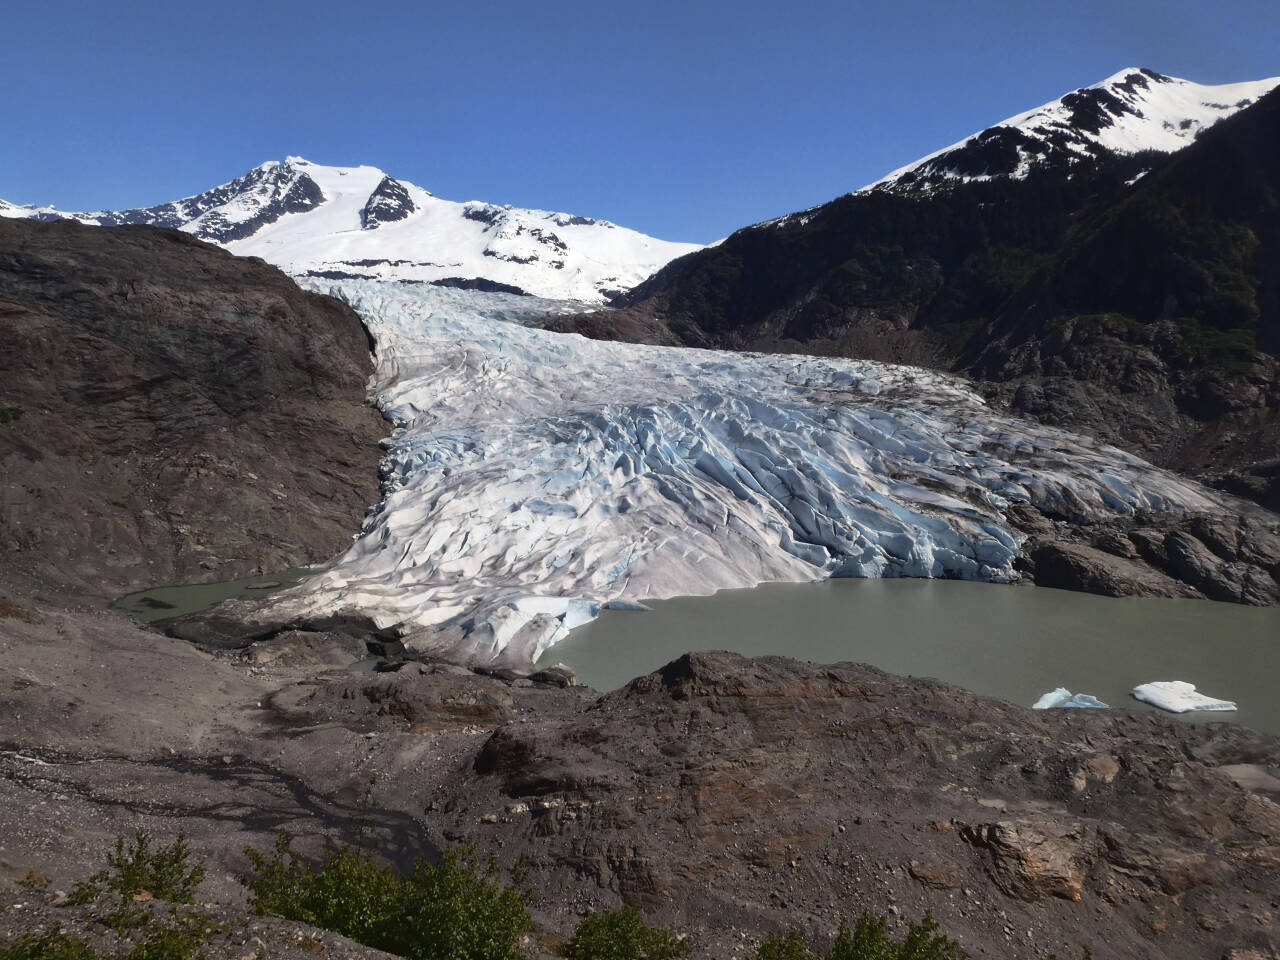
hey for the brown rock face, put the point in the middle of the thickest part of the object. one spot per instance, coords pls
(171, 412)
(725, 794)
(1032, 859)
(1229, 558)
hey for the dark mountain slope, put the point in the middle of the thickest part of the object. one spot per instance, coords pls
(172, 412)
(878, 264)
(1164, 305)
(1143, 310)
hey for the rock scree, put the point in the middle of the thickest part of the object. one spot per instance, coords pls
(723, 795)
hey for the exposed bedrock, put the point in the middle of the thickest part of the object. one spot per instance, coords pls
(1233, 558)
(172, 412)
(726, 793)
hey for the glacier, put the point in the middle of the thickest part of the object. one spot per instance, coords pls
(533, 477)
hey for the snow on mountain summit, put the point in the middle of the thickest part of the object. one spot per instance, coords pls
(1131, 111)
(347, 223)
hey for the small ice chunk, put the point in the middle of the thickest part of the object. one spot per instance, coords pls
(1054, 698)
(1065, 699)
(1177, 696)
(1084, 701)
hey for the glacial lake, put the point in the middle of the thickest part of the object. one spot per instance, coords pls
(1012, 642)
(161, 603)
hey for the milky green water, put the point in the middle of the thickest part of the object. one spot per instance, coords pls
(1013, 642)
(161, 603)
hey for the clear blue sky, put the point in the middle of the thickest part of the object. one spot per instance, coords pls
(682, 119)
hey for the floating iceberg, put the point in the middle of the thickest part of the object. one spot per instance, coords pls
(1063, 698)
(1178, 696)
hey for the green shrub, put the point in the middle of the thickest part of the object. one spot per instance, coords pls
(790, 947)
(134, 875)
(178, 939)
(868, 940)
(622, 935)
(168, 873)
(10, 414)
(49, 945)
(453, 910)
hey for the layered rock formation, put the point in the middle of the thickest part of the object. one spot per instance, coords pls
(731, 794)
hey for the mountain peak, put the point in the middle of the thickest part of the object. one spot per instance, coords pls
(1134, 110)
(360, 223)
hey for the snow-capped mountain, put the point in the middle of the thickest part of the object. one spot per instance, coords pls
(1131, 111)
(359, 223)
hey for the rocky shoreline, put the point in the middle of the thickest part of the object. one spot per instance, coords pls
(727, 796)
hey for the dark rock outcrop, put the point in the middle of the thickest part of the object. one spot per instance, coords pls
(269, 192)
(483, 284)
(1229, 558)
(290, 194)
(389, 202)
(184, 414)
(728, 794)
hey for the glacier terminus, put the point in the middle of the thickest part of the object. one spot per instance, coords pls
(534, 477)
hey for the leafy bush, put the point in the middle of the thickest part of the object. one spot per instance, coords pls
(168, 873)
(453, 909)
(10, 414)
(790, 947)
(622, 935)
(180, 938)
(49, 945)
(178, 941)
(135, 876)
(868, 940)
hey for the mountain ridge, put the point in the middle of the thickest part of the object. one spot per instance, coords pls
(361, 223)
(1089, 123)
(1133, 110)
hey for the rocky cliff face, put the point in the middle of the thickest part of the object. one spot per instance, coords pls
(171, 412)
